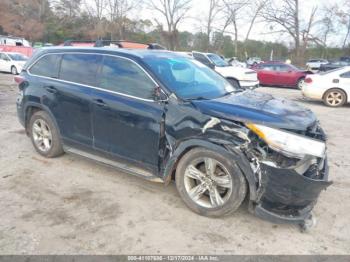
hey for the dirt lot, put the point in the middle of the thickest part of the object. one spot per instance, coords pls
(71, 205)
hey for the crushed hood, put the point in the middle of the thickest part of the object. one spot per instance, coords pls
(255, 107)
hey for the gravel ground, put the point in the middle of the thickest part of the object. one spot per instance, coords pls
(71, 205)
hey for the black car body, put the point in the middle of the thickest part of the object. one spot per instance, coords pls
(149, 135)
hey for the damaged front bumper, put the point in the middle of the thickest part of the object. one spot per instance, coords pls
(288, 195)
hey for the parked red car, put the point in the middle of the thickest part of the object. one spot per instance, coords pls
(280, 74)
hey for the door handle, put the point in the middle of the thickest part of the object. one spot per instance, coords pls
(99, 102)
(51, 89)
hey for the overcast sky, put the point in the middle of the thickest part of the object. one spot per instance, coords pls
(260, 31)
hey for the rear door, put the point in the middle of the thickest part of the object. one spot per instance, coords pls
(66, 81)
(78, 74)
(126, 119)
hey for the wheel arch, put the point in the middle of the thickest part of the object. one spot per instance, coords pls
(347, 97)
(31, 108)
(238, 156)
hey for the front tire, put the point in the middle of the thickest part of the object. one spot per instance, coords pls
(14, 70)
(334, 98)
(300, 83)
(44, 135)
(210, 184)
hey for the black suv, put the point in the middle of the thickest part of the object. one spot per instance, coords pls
(164, 117)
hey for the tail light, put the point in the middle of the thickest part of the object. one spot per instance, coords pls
(308, 80)
(19, 79)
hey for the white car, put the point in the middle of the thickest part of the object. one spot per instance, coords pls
(12, 62)
(235, 62)
(237, 76)
(315, 64)
(331, 87)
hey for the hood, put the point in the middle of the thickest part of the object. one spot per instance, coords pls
(259, 108)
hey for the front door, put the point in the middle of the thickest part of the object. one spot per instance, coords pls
(126, 118)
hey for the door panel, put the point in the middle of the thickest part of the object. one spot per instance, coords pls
(127, 127)
(285, 76)
(71, 107)
(126, 119)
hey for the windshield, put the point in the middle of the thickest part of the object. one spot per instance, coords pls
(293, 67)
(18, 57)
(217, 60)
(188, 78)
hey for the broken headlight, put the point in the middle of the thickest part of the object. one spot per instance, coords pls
(288, 143)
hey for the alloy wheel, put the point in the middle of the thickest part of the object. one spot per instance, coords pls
(14, 70)
(334, 98)
(208, 183)
(301, 83)
(42, 135)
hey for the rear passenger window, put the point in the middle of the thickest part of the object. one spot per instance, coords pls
(80, 68)
(123, 76)
(47, 66)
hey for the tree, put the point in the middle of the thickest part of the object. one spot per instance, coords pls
(286, 14)
(67, 9)
(344, 17)
(173, 12)
(233, 10)
(256, 8)
(24, 18)
(117, 11)
(215, 8)
(326, 27)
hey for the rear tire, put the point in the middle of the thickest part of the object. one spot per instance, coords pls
(44, 135)
(334, 98)
(14, 70)
(209, 183)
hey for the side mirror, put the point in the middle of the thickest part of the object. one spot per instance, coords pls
(159, 95)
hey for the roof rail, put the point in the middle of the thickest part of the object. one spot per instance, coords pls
(118, 43)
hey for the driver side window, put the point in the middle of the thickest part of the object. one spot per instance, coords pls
(123, 76)
(3, 57)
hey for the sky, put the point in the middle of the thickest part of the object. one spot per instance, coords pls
(260, 31)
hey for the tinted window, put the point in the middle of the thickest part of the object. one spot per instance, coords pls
(80, 68)
(345, 75)
(266, 67)
(126, 77)
(3, 57)
(217, 60)
(201, 58)
(46, 66)
(283, 68)
(18, 57)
